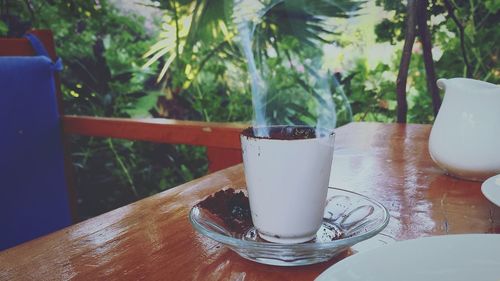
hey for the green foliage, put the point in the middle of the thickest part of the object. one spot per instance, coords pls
(492, 6)
(479, 20)
(481, 47)
(112, 173)
(3, 29)
(203, 64)
(104, 76)
(101, 49)
(371, 94)
(305, 21)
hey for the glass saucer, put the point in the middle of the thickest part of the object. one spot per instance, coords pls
(351, 215)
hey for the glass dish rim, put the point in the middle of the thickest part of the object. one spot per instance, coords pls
(343, 242)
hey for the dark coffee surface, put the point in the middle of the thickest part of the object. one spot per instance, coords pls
(284, 132)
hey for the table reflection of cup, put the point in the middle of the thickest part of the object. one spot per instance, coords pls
(287, 175)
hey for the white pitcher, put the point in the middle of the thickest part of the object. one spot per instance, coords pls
(465, 137)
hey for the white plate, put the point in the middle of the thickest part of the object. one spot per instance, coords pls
(491, 189)
(444, 258)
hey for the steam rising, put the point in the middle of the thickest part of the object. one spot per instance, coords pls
(247, 15)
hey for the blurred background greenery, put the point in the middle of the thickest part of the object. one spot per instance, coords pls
(178, 59)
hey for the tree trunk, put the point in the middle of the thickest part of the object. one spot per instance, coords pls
(425, 37)
(461, 31)
(402, 107)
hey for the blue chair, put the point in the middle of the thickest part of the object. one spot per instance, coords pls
(34, 196)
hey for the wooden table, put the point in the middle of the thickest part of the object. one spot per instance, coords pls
(153, 240)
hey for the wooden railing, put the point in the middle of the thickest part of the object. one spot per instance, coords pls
(222, 140)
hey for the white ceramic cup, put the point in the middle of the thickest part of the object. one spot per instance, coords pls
(287, 184)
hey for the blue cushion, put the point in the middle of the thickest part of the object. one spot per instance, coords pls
(33, 192)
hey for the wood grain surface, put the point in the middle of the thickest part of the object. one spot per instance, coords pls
(153, 240)
(210, 134)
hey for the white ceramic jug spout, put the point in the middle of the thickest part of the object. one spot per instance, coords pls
(465, 137)
(441, 83)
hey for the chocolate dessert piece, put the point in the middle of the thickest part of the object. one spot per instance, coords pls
(232, 207)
